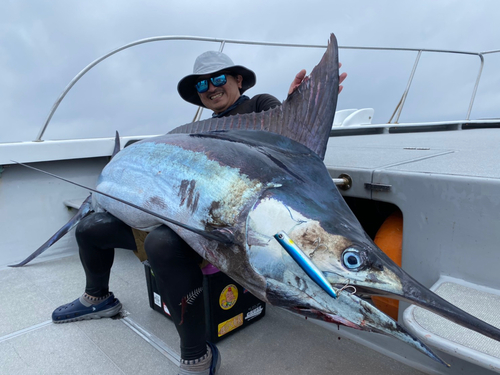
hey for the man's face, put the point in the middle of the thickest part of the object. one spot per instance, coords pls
(218, 99)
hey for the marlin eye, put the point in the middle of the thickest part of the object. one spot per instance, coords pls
(352, 259)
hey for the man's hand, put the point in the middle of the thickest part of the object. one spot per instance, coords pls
(297, 81)
(301, 75)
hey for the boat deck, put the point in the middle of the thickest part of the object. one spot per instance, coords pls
(444, 182)
(144, 341)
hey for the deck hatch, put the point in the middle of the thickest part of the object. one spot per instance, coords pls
(452, 338)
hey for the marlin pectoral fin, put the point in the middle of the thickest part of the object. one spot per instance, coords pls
(83, 211)
(215, 235)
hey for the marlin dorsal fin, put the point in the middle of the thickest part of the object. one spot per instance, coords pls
(306, 116)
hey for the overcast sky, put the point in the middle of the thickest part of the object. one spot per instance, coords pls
(44, 44)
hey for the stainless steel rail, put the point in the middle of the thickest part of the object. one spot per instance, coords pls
(232, 41)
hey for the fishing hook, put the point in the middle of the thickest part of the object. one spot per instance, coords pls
(319, 244)
(346, 286)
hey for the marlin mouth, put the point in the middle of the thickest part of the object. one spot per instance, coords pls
(320, 315)
(351, 311)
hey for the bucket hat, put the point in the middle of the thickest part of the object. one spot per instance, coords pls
(212, 62)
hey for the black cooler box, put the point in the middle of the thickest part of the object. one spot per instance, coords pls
(228, 306)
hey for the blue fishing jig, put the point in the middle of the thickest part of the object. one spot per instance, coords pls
(305, 262)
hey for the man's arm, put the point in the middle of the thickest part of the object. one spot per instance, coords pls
(301, 75)
(265, 102)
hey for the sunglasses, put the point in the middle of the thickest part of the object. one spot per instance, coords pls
(202, 86)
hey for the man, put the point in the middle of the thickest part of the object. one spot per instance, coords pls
(216, 84)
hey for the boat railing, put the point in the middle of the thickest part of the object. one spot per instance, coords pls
(222, 42)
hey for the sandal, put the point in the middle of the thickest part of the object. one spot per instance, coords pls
(74, 311)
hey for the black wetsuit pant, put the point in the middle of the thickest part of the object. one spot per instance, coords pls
(174, 263)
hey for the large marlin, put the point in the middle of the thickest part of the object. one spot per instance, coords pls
(251, 194)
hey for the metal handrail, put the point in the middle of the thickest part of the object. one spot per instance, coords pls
(234, 41)
(405, 93)
(493, 51)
